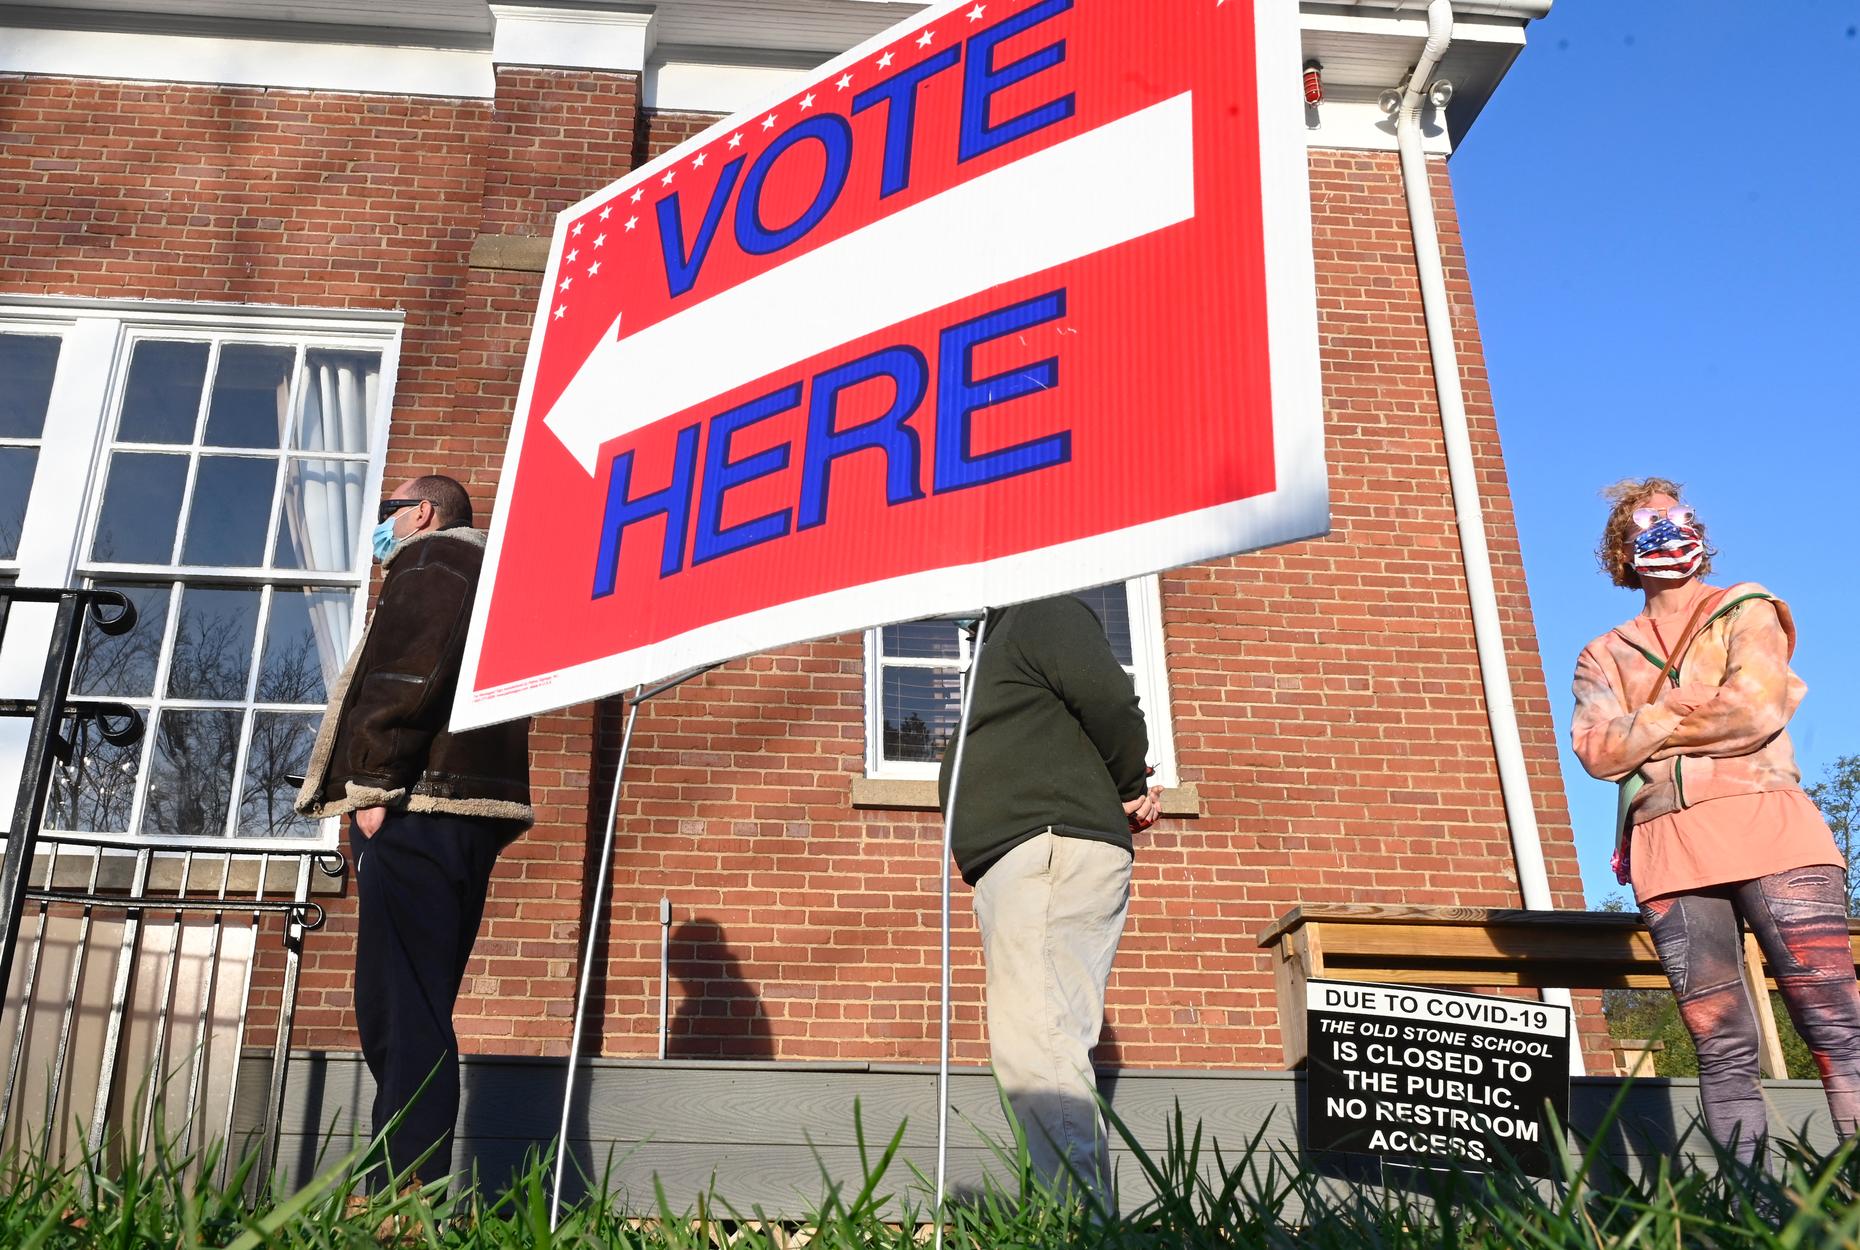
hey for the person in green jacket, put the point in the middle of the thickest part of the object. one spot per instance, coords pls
(1053, 783)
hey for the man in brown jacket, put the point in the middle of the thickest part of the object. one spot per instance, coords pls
(428, 810)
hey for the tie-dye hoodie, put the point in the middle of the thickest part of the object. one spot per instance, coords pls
(1735, 743)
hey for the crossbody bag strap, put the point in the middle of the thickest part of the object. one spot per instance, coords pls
(1670, 668)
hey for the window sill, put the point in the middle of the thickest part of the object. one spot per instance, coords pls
(919, 795)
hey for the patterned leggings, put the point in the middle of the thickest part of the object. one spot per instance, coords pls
(1799, 918)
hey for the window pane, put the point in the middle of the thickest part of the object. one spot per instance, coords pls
(27, 362)
(16, 466)
(141, 508)
(338, 398)
(232, 506)
(1112, 604)
(306, 643)
(921, 712)
(251, 392)
(920, 640)
(280, 750)
(162, 396)
(123, 667)
(321, 522)
(191, 774)
(213, 643)
(96, 791)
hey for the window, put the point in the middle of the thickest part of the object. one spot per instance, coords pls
(229, 469)
(27, 363)
(914, 670)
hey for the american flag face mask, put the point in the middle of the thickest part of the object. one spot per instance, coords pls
(1668, 552)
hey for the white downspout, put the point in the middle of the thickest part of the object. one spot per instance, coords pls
(1488, 633)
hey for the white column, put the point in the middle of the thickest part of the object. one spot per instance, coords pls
(564, 38)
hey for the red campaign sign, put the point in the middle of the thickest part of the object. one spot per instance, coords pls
(1013, 300)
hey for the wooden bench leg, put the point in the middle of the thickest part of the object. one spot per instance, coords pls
(1298, 957)
(1770, 1059)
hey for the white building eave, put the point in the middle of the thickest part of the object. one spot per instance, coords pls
(712, 56)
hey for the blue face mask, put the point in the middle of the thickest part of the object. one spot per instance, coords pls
(384, 540)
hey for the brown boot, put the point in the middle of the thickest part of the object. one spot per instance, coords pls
(402, 1228)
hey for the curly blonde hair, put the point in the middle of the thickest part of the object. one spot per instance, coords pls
(1616, 552)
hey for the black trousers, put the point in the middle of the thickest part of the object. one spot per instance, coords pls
(421, 882)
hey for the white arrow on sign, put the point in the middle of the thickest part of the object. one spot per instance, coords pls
(1118, 182)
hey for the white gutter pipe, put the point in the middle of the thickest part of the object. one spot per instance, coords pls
(1488, 633)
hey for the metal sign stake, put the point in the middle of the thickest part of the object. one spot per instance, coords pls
(949, 823)
(596, 910)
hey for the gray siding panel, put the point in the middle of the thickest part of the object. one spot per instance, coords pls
(763, 1134)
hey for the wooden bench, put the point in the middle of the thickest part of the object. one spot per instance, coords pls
(1485, 947)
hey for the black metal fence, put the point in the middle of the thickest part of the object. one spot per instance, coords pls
(129, 1013)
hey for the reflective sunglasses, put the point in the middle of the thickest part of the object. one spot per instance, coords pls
(1678, 514)
(390, 506)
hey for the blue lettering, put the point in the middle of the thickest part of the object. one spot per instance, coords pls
(834, 134)
(981, 80)
(901, 118)
(887, 433)
(673, 503)
(681, 270)
(721, 473)
(959, 397)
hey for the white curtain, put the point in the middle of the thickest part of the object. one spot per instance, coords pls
(323, 506)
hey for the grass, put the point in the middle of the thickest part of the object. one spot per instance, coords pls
(1201, 1197)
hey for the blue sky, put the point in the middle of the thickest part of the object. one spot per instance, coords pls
(1660, 208)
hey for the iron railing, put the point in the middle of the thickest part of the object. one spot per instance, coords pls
(170, 891)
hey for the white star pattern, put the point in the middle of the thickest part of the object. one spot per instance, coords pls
(807, 101)
(669, 175)
(559, 310)
(566, 283)
(923, 40)
(736, 141)
(594, 269)
(577, 229)
(599, 239)
(844, 82)
(639, 191)
(570, 258)
(975, 14)
(631, 222)
(701, 158)
(884, 62)
(605, 211)
(768, 123)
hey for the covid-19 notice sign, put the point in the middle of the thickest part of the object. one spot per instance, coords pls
(1436, 1078)
(1013, 299)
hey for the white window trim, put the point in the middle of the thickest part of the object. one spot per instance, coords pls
(92, 367)
(1151, 677)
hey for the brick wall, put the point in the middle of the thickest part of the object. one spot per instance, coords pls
(1325, 695)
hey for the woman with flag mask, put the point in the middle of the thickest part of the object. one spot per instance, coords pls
(1686, 708)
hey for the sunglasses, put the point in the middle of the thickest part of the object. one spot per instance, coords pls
(390, 506)
(1678, 514)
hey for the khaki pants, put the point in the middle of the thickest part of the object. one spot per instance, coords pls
(1051, 912)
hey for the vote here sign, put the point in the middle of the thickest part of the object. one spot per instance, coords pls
(1012, 300)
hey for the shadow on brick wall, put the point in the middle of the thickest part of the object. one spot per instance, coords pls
(719, 1015)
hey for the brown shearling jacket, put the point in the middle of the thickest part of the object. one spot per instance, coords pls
(384, 741)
